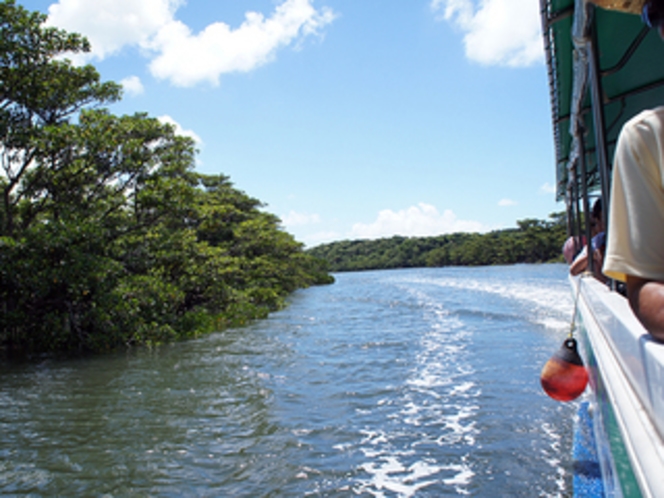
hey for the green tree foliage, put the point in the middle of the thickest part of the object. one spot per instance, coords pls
(534, 241)
(108, 236)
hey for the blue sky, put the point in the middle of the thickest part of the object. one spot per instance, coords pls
(348, 118)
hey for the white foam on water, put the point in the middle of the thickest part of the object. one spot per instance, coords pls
(433, 423)
(552, 305)
(374, 437)
(457, 429)
(462, 388)
(551, 433)
(554, 461)
(391, 475)
(440, 396)
(462, 479)
(439, 399)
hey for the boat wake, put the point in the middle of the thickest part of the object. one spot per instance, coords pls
(436, 409)
(447, 400)
(548, 305)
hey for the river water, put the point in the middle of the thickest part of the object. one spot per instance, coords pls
(421, 382)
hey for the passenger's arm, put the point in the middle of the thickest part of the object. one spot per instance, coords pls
(598, 256)
(579, 264)
(646, 297)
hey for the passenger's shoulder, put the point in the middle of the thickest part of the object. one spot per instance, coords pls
(649, 122)
(655, 114)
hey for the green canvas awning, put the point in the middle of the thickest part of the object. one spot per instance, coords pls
(583, 41)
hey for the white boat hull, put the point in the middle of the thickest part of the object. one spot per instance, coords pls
(626, 389)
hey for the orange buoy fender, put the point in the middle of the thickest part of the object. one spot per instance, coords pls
(564, 377)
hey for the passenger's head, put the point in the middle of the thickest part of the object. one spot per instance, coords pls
(653, 15)
(597, 208)
(596, 220)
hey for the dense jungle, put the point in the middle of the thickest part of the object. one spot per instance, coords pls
(108, 236)
(533, 241)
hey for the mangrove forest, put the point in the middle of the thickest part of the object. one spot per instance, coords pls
(533, 241)
(108, 236)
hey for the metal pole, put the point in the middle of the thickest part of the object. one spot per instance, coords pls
(584, 197)
(596, 95)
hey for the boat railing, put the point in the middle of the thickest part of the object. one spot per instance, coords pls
(627, 370)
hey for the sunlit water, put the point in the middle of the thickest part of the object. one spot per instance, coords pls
(393, 383)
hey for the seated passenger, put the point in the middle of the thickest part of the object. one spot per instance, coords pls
(572, 247)
(635, 246)
(598, 245)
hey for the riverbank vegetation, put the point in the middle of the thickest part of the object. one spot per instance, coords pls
(108, 236)
(533, 241)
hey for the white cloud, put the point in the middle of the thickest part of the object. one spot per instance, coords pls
(506, 202)
(111, 25)
(219, 49)
(547, 188)
(299, 219)
(179, 130)
(419, 221)
(177, 54)
(502, 32)
(132, 85)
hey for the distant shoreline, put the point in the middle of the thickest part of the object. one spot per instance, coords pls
(534, 241)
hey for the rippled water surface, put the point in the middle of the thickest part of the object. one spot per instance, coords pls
(417, 382)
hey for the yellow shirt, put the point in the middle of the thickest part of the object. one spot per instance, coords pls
(635, 244)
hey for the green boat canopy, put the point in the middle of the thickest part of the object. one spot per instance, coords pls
(605, 66)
